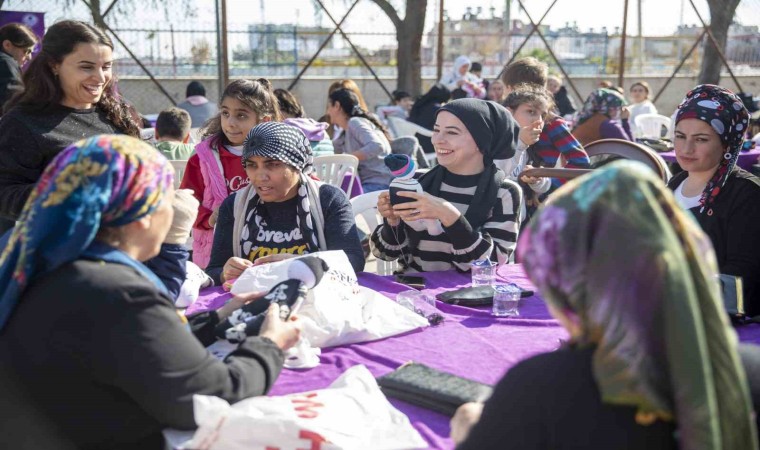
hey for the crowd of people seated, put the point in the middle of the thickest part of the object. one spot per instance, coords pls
(88, 207)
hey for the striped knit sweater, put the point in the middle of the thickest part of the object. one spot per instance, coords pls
(556, 140)
(459, 244)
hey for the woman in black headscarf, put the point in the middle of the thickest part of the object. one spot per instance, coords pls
(474, 203)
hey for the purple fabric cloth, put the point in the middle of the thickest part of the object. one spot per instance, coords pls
(745, 160)
(469, 343)
(615, 129)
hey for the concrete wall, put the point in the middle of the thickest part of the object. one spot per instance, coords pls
(312, 92)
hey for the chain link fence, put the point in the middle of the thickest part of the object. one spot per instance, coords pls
(176, 50)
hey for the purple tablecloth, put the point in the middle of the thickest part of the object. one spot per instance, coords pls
(745, 161)
(469, 343)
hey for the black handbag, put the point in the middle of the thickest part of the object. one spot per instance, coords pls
(433, 389)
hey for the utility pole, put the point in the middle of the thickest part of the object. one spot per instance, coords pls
(439, 50)
(641, 43)
(621, 67)
(508, 28)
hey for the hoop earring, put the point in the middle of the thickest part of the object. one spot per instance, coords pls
(727, 156)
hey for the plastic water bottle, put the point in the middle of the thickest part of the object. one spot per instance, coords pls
(506, 300)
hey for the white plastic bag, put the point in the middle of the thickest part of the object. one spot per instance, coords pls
(351, 414)
(337, 311)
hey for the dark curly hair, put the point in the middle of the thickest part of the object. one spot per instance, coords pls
(43, 91)
(255, 94)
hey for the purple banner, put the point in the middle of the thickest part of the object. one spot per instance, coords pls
(35, 21)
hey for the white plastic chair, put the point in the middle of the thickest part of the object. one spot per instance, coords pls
(649, 126)
(179, 171)
(365, 206)
(332, 169)
(400, 127)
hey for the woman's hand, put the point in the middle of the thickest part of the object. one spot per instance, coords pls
(236, 303)
(234, 267)
(466, 416)
(426, 206)
(273, 258)
(213, 218)
(386, 210)
(625, 113)
(284, 334)
(529, 135)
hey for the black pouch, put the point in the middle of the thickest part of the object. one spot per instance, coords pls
(433, 389)
(473, 296)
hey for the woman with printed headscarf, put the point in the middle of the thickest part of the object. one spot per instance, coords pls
(88, 329)
(652, 362)
(475, 205)
(603, 116)
(710, 126)
(283, 212)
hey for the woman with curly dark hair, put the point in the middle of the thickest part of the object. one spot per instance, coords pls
(69, 94)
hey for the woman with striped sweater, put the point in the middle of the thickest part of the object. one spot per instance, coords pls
(476, 205)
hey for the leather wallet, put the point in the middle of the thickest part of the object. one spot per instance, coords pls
(433, 389)
(474, 296)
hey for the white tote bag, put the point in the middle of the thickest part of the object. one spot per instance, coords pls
(351, 414)
(337, 311)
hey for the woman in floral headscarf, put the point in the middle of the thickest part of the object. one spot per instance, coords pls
(603, 116)
(652, 361)
(710, 126)
(87, 328)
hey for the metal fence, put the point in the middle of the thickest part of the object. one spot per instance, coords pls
(177, 49)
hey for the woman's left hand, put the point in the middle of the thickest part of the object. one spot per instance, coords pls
(426, 206)
(273, 258)
(464, 419)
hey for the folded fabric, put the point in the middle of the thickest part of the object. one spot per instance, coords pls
(433, 389)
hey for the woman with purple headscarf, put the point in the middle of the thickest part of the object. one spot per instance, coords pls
(710, 126)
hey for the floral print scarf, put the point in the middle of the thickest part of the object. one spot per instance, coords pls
(102, 181)
(725, 112)
(615, 251)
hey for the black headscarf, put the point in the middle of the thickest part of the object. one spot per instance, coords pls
(495, 133)
(490, 124)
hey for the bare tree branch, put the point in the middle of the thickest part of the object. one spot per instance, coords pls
(390, 11)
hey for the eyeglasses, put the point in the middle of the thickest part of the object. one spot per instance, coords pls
(27, 50)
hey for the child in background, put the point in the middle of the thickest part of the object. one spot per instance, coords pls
(294, 114)
(173, 134)
(529, 105)
(555, 144)
(215, 171)
(402, 104)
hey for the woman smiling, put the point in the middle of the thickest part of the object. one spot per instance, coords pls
(69, 94)
(283, 212)
(473, 201)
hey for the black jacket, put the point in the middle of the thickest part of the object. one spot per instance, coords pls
(532, 408)
(734, 229)
(109, 361)
(30, 140)
(10, 78)
(563, 101)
